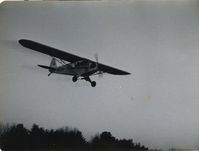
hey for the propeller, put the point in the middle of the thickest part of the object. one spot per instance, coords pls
(100, 73)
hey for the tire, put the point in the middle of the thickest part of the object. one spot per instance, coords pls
(74, 78)
(93, 83)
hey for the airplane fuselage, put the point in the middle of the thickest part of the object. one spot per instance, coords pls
(75, 69)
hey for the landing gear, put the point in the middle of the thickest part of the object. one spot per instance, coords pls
(74, 78)
(49, 73)
(93, 83)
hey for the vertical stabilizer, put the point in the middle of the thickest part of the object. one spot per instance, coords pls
(53, 63)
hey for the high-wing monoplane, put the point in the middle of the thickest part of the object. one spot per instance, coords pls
(78, 67)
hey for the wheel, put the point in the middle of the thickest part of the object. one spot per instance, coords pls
(74, 78)
(93, 83)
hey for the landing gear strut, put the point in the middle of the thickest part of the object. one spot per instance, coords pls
(93, 83)
(74, 78)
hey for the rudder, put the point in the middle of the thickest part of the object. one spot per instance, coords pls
(53, 63)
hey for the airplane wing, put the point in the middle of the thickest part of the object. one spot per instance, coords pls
(66, 56)
(49, 50)
(111, 70)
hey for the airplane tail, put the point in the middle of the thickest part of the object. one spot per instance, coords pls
(52, 67)
(53, 63)
(46, 67)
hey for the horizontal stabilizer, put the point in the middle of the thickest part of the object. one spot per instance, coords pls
(46, 67)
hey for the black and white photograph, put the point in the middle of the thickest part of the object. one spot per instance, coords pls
(99, 75)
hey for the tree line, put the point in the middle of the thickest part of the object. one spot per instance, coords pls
(17, 136)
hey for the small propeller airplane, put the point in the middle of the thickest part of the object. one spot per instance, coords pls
(80, 68)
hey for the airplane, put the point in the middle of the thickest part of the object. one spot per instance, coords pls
(79, 67)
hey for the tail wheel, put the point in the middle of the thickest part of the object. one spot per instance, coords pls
(74, 78)
(93, 83)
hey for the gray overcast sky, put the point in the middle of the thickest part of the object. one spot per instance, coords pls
(157, 41)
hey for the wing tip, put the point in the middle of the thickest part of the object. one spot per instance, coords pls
(23, 41)
(126, 73)
(120, 73)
